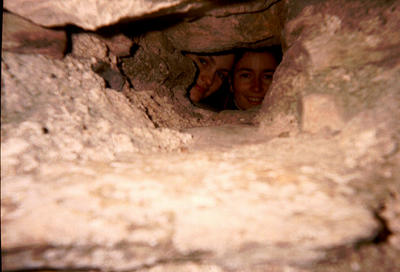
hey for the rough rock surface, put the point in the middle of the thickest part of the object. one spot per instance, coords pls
(93, 14)
(22, 36)
(346, 51)
(243, 25)
(137, 207)
(319, 112)
(93, 178)
(160, 74)
(86, 45)
(58, 108)
(189, 205)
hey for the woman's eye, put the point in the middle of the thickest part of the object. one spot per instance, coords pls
(203, 61)
(244, 75)
(267, 76)
(221, 75)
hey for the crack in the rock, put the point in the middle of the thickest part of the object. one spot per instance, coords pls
(148, 114)
(246, 12)
(384, 233)
(254, 43)
(176, 258)
(194, 257)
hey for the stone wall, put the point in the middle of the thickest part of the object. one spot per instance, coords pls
(340, 56)
(106, 165)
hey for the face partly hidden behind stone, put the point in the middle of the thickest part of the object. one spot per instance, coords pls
(252, 77)
(212, 71)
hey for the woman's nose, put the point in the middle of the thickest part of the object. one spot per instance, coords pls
(207, 78)
(257, 86)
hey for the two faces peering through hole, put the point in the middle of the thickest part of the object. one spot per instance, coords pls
(236, 80)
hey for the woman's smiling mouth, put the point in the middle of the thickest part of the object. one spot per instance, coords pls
(201, 89)
(254, 100)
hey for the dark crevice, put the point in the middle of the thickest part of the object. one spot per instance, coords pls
(70, 30)
(112, 78)
(381, 237)
(136, 27)
(121, 70)
(384, 233)
(45, 130)
(146, 111)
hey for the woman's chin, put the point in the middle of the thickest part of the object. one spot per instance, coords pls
(195, 95)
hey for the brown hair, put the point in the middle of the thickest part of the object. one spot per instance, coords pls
(275, 50)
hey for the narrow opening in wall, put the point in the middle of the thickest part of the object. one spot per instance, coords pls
(173, 70)
(195, 66)
(233, 80)
(198, 85)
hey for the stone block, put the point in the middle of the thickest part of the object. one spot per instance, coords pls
(319, 112)
(88, 45)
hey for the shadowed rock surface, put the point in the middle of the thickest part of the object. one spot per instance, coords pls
(21, 36)
(242, 25)
(139, 179)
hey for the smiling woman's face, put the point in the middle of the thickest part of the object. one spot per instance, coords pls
(213, 70)
(252, 77)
